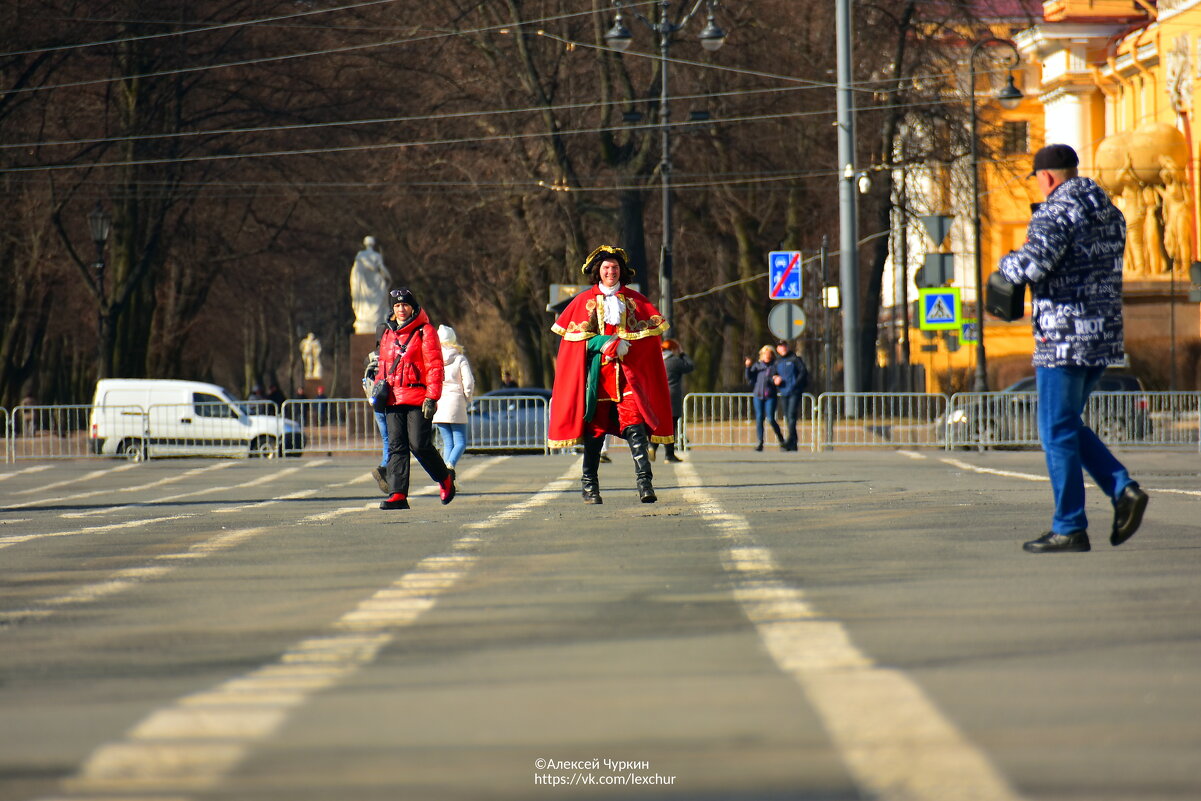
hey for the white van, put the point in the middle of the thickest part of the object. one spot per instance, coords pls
(141, 418)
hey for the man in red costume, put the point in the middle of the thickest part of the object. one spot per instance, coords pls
(609, 376)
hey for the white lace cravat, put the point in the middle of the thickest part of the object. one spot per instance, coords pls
(613, 304)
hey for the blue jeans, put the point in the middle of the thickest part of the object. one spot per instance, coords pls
(454, 441)
(765, 409)
(382, 421)
(1071, 446)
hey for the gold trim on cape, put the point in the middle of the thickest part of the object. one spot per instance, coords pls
(594, 323)
(564, 443)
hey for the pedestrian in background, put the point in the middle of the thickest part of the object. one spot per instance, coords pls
(1072, 260)
(322, 408)
(677, 364)
(760, 377)
(370, 370)
(791, 380)
(507, 381)
(458, 385)
(410, 361)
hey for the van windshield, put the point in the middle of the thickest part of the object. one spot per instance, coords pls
(213, 406)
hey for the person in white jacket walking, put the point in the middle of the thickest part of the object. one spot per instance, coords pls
(458, 385)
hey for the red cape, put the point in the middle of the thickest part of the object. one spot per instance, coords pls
(642, 367)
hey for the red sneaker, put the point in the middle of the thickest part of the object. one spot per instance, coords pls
(447, 486)
(395, 501)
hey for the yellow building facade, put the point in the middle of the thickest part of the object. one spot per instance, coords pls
(1119, 81)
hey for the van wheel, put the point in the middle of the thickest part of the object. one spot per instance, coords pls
(264, 447)
(132, 449)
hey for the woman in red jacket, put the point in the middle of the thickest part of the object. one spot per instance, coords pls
(410, 360)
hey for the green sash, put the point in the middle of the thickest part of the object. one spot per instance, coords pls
(594, 346)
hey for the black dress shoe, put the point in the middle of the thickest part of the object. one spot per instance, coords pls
(1051, 542)
(381, 478)
(1128, 510)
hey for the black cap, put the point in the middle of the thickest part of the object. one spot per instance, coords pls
(404, 296)
(1055, 157)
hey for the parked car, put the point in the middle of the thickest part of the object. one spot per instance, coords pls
(140, 418)
(512, 418)
(1009, 418)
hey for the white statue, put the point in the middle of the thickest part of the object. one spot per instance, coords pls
(369, 282)
(310, 354)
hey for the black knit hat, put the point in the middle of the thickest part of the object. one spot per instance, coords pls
(404, 296)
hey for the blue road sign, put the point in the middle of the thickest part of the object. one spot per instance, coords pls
(970, 332)
(784, 275)
(939, 309)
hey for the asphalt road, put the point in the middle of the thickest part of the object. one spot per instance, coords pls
(843, 625)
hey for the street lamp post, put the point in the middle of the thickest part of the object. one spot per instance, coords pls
(619, 38)
(1008, 97)
(100, 224)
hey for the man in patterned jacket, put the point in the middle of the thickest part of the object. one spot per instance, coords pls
(1072, 260)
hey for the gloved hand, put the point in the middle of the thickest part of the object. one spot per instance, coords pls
(428, 407)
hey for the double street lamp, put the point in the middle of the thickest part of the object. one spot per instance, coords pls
(619, 38)
(1009, 97)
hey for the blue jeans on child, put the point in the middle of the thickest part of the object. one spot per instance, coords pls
(382, 421)
(454, 441)
(1071, 446)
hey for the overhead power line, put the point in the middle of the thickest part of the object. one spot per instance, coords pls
(203, 29)
(441, 142)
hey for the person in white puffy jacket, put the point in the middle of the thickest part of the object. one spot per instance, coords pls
(458, 385)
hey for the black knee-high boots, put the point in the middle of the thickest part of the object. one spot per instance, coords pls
(639, 442)
(590, 481)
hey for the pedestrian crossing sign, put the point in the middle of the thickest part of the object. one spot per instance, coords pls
(940, 310)
(970, 333)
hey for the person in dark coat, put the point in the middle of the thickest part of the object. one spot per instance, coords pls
(677, 364)
(760, 376)
(792, 379)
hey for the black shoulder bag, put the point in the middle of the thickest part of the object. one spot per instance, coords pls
(379, 392)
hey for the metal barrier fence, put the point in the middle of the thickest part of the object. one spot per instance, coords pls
(341, 425)
(1122, 419)
(1154, 419)
(727, 419)
(349, 425)
(508, 422)
(991, 420)
(47, 432)
(520, 422)
(880, 419)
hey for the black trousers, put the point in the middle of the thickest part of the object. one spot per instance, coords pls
(789, 405)
(408, 430)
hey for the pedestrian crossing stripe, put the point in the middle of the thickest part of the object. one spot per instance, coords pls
(940, 309)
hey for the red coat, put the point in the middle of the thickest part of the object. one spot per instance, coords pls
(418, 375)
(642, 326)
